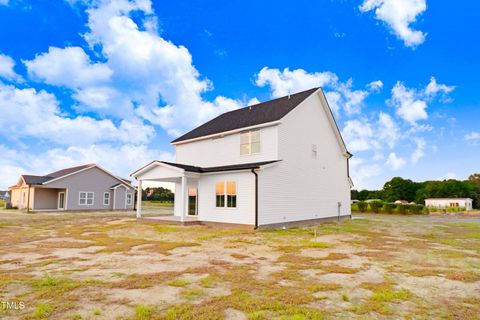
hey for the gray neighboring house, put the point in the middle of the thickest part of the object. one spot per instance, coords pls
(86, 187)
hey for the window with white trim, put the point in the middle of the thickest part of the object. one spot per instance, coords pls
(226, 194)
(250, 142)
(106, 198)
(129, 199)
(85, 198)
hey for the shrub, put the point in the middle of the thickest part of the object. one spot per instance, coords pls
(425, 210)
(375, 206)
(388, 208)
(416, 208)
(362, 206)
(401, 209)
(354, 207)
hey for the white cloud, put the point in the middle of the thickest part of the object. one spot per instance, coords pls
(154, 73)
(288, 81)
(408, 106)
(334, 100)
(375, 86)
(419, 152)
(399, 15)
(340, 95)
(141, 73)
(433, 88)
(387, 129)
(359, 135)
(6, 68)
(4, 2)
(472, 136)
(31, 113)
(411, 104)
(253, 101)
(363, 172)
(70, 67)
(395, 162)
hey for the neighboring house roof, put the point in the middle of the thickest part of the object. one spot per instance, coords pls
(261, 113)
(242, 166)
(56, 175)
(29, 179)
(64, 172)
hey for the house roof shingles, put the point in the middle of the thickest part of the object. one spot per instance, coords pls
(261, 113)
(38, 180)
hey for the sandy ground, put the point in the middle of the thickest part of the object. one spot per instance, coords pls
(108, 266)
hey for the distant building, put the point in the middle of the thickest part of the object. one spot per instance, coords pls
(401, 202)
(86, 187)
(449, 203)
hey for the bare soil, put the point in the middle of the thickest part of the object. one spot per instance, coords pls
(108, 266)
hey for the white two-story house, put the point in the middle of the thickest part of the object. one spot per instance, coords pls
(275, 164)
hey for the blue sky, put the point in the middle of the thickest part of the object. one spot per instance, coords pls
(113, 82)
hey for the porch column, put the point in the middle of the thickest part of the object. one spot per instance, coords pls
(139, 199)
(184, 198)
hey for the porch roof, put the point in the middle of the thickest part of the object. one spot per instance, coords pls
(233, 167)
(195, 169)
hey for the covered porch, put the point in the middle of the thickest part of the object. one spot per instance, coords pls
(185, 178)
(48, 199)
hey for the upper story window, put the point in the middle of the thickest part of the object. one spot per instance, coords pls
(250, 142)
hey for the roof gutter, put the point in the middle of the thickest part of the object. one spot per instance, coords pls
(256, 198)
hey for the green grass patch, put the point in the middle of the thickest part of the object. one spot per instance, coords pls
(143, 312)
(42, 311)
(389, 295)
(179, 283)
(192, 294)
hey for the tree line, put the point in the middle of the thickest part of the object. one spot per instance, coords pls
(157, 194)
(406, 189)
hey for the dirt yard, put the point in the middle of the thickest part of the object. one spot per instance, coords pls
(108, 266)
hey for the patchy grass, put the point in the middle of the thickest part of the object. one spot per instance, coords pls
(143, 312)
(42, 311)
(179, 283)
(356, 269)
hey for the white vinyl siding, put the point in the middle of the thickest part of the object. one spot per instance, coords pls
(226, 150)
(106, 199)
(85, 198)
(250, 142)
(243, 213)
(299, 187)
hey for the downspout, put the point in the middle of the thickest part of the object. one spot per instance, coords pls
(256, 198)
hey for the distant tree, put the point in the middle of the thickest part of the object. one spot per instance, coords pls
(400, 189)
(475, 178)
(363, 195)
(354, 194)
